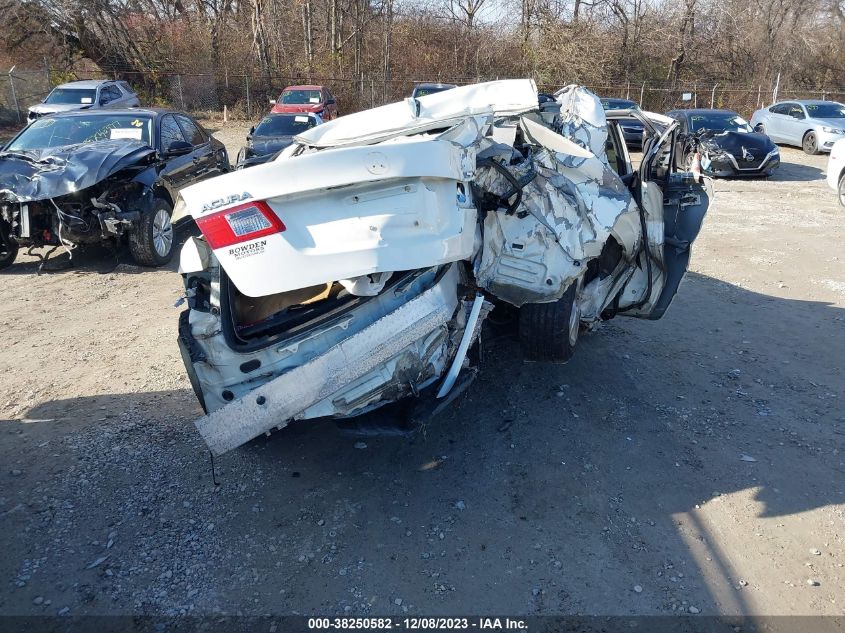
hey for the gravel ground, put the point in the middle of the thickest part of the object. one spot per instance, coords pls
(694, 464)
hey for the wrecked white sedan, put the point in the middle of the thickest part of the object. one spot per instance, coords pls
(357, 268)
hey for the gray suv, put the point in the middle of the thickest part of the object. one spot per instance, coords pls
(811, 124)
(82, 95)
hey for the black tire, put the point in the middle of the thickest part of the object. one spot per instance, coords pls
(842, 189)
(151, 241)
(549, 331)
(8, 247)
(810, 144)
(760, 129)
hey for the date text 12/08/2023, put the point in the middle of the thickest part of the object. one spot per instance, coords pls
(418, 623)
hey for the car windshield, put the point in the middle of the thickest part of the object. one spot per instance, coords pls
(718, 122)
(294, 97)
(74, 96)
(617, 104)
(284, 125)
(71, 130)
(422, 91)
(826, 110)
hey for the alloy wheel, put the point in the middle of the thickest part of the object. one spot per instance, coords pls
(810, 143)
(162, 232)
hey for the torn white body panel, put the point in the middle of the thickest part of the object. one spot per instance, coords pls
(569, 209)
(438, 110)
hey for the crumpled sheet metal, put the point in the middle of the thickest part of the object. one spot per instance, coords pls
(54, 172)
(504, 97)
(275, 403)
(569, 210)
(582, 117)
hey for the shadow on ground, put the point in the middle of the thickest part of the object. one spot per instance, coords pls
(545, 490)
(795, 172)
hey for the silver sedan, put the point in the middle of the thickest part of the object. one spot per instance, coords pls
(811, 124)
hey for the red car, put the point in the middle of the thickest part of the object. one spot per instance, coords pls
(313, 99)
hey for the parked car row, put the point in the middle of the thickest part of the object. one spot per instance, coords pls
(91, 166)
(726, 145)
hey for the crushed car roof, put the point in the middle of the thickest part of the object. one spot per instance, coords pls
(512, 96)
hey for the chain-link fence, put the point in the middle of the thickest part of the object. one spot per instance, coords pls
(20, 89)
(247, 96)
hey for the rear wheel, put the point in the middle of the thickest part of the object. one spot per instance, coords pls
(760, 128)
(8, 247)
(151, 242)
(842, 189)
(810, 144)
(549, 331)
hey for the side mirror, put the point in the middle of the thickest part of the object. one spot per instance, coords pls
(331, 102)
(179, 148)
(272, 102)
(103, 101)
(252, 130)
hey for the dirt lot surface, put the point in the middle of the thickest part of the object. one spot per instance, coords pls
(693, 464)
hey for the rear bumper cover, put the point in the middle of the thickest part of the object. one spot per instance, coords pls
(406, 349)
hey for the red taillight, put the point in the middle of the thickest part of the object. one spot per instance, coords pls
(240, 224)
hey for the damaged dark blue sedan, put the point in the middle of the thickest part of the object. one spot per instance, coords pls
(107, 176)
(273, 134)
(726, 143)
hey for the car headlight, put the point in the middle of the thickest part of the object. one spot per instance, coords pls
(833, 130)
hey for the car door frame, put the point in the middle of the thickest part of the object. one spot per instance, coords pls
(105, 90)
(682, 117)
(683, 204)
(176, 169)
(773, 123)
(794, 128)
(204, 155)
(331, 107)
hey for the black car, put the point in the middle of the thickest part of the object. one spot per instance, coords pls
(103, 176)
(632, 130)
(273, 134)
(421, 90)
(726, 143)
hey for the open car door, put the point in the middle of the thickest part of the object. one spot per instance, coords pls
(673, 205)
